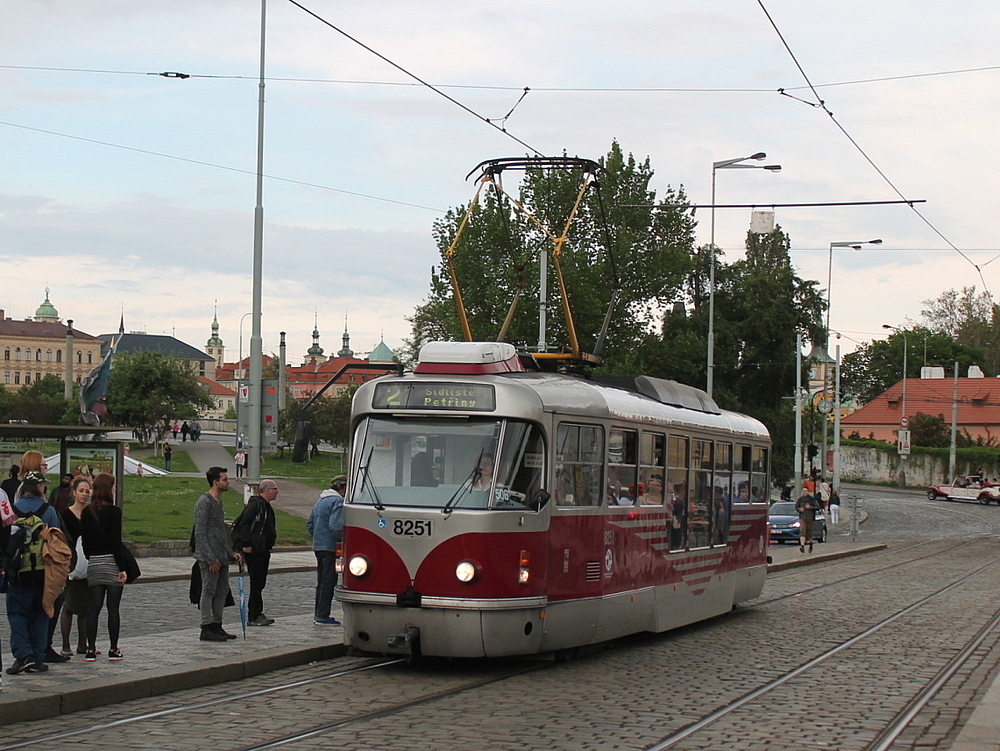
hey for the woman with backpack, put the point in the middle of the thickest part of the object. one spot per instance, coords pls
(102, 538)
(77, 592)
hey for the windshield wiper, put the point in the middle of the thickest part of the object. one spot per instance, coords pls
(465, 486)
(366, 477)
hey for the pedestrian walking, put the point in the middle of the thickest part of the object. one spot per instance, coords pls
(254, 534)
(167, 456)
(213, 553)
(823, 491)
(806, 506)
(101, 527)
(241, 463)
(834, 507)
(185, 429)
(326, 525)
(174, 429)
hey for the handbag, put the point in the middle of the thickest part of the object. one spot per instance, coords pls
(79, 571)
(127, 563)
(7, 513)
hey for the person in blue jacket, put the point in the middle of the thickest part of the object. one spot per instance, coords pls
(326, 525)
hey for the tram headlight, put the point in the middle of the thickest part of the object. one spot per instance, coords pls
(467, 572)
(358, 566)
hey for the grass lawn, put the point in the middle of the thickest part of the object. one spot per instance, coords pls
(180, 461)
(316, 473)
(162, 508)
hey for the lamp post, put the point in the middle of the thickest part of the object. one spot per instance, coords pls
(241, 375)
(856, 245)
(902, 458)
(736, 163)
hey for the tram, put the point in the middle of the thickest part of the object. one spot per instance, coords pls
(497, 508)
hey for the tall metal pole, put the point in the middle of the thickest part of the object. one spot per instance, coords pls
(836, 426)
(902, 459)
(282, 374)
(68, 370)
(952, 452)
(710, 378)
(798, 414)
(543, 291)
(256, 347)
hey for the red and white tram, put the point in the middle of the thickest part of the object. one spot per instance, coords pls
(496, 509)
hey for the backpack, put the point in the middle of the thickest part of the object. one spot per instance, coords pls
(23, 554)
(256, 530)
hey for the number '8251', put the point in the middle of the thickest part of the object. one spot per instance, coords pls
(411, 528)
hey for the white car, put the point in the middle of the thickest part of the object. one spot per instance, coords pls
(966, 488)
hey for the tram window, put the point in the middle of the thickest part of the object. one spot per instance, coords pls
(579, 465)
(468, 464)
(652, 453)
(759, 487)
(677, 490)
(741, 474)
(622, 465)
(723, 494)
(699, 510)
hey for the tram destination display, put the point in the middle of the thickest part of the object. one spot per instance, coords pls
(444, 396)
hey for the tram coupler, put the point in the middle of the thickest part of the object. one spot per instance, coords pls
(408, 639)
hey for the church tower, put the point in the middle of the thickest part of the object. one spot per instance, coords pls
(214, 347)
(346, 350)
(315, 353)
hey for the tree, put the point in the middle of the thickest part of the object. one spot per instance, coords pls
(148, 391)
(928, 430)
(329, 418)
(970, 320)
(498, 259)
(41, 403)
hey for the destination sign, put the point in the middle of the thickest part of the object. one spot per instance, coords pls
(445, 396)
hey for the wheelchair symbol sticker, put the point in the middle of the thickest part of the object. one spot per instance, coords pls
(383, 523)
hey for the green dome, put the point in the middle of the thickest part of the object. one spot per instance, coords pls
(46, 309)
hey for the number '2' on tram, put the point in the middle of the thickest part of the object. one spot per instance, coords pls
(496, 509)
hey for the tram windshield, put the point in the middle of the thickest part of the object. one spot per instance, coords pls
(441, 463)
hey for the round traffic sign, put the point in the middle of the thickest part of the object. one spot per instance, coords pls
(825, 406)
(904, 422)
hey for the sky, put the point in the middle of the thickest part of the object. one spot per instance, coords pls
(130, 193)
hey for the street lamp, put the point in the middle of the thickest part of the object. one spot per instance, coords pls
(902, 473)
(724, 164)
(856, 245)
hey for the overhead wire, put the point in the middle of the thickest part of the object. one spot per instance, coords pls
(415, 77)
(218, 166)
(820, 104)
(486, 87)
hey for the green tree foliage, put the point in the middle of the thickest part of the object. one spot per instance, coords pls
(875, 366)
(928, 430)
(497, 260)
(148, 391)
(330, 418)
(41, 403)
(972, 320)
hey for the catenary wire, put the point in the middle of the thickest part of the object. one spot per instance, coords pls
(819, 103)
(415, 77)
(485, 87)
(218, 166)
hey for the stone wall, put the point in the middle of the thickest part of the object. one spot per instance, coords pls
(859, 464)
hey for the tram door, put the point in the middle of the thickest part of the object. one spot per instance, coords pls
(576, 530)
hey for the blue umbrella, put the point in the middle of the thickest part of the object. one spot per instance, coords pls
(243, 601)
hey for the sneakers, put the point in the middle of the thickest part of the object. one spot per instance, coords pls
(208, 633)
(91, 655)
(37, 667)
(19, 665)
(114, 655)
(52, 656)
(84, 651)
(261, 620)
(328, 621)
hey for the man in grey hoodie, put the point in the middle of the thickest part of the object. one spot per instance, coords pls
(213, 553)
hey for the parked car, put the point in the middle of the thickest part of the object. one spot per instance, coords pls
(966, 488)
(783, 520)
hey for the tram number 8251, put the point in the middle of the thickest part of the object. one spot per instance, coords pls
(411, 528)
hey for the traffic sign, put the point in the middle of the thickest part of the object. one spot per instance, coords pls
(903, 442)
(904, 422)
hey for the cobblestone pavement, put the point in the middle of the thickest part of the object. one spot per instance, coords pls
(631, 696)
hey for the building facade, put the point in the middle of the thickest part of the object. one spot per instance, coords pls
(35, 347)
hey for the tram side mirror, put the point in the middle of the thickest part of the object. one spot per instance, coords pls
(539, 499)
(300, 449)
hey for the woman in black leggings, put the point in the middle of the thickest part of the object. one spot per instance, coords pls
(102, 537)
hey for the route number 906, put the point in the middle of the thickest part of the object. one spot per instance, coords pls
(411, 528)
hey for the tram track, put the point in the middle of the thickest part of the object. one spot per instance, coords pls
(904, 716)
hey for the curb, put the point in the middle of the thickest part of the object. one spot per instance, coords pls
(103, 692)
(811, 559)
